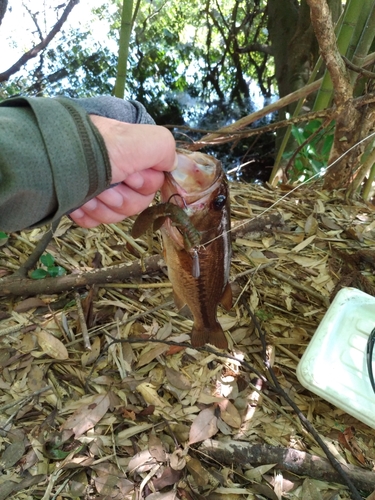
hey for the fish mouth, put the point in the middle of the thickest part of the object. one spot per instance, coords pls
(192, 182)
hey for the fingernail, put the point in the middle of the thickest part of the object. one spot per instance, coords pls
(115, 199)
(78, 213)
(135, 181)
(91, 205)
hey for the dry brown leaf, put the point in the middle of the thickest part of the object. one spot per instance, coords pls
(304, 244)
(30, 303)
(230, 414)
(311, 225)
(51, 345)
(168, 477)
(156, 448)
(89, 357)
(151, 353)
(111, 482)
(150, 395)
(178, 379)
(12, 454)
(88, 415)
(201, 476)
(141, 462)
(204, 426)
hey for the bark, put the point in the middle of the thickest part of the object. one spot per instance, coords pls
(297, 462)
(282, 21)
(351, 124)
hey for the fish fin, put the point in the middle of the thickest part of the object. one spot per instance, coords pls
(180, 303)
(227, 299)
(214, 336)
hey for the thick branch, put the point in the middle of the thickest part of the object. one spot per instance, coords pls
(42, 45)
(294, 461)
(322, 23)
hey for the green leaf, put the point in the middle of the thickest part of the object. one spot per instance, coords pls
(3, 238)
(39, 274)
(56, 271)
(47, 259)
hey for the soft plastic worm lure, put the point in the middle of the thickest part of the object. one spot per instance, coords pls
(155, 216)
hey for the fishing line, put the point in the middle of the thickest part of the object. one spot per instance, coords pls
(292, 191)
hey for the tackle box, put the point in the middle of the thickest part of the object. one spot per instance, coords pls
(334, 365)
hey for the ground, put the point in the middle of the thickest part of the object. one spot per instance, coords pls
(94, 415)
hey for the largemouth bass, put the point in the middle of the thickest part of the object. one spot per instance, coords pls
(199, 274)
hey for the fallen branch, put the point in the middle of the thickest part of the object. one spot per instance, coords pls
(16, 285)
(287, 459)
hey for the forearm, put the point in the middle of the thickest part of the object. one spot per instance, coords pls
(52, 157)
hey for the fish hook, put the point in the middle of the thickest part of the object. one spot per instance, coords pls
(183, 199)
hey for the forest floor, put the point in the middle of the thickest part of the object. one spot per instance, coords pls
(127, 409)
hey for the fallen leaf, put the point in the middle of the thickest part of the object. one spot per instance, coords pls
(156, 448)
(89, 357)
(148, 356)
(200, 474)
(51, 345)
(178, 379)
(151, 396)
(204, 426)
(229, 413)
(87, 416)
(141, 462)
(12, 454)
(27, 304)
(168, 477)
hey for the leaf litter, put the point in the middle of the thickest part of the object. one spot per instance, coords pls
(125, 420)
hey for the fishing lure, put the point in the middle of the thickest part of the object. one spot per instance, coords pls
(155, 216)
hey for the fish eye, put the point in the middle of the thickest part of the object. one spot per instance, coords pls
(219, 201)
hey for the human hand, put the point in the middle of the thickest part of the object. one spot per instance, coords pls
(139, 156)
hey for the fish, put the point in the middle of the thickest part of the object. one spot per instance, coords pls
(199, 273)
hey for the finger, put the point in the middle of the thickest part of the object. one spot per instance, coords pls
(82, 219)
(96, 212)
(145, 182)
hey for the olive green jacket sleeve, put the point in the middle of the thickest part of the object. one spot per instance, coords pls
(52, 158)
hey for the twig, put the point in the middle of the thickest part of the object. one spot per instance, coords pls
(25, 399)
(82, 322)
(294, 283)
(36, 253)
(42, 45)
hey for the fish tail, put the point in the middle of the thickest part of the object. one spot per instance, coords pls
(213, 335)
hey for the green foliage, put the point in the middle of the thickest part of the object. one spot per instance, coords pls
(315, 146)
(49, 269)
(3, 238)
(179, 50)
